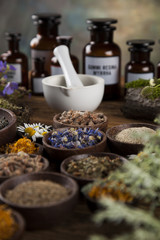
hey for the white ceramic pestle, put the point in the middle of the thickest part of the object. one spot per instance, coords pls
(62, 54)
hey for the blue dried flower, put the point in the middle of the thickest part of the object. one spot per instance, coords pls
(75, 138)
(10, 88)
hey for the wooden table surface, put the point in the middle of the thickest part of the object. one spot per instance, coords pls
(79, 226)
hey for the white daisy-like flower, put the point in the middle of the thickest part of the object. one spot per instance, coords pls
(152, 82)
(34, 131)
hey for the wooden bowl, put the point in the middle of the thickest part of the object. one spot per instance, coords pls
(8, 133)
(82, 180)
(121, 147)
(43, 217)
(101, 126)
(21, 226)
(44, 160)
(57, 155)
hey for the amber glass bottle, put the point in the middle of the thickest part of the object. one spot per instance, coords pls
(17, 59)
(45, 41)
(102, 57)
(55, 66)
(139, 65)
(37, 75)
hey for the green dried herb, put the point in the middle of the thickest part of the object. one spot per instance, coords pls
(93, 167)
(3, 122)
(22, 113)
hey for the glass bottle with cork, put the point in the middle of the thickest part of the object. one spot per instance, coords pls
(37, 75)
(45, 41)
(55, 66)
(139, 65)
(17, 59)
(102, 57)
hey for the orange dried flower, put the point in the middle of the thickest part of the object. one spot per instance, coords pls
(23, 144)
(116, 191)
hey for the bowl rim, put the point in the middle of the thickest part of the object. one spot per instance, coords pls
(67, 160)
(128, 125)
(13, 119)
(100, 81)
(82, 125)
(45, 137)
(45, 160)
(73, 193)
(20, 222)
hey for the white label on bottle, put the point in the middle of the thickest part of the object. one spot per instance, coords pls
(15, 75)
(47, 54)
(134, 76)
(37, 85)
(56, 70)
(105, 67)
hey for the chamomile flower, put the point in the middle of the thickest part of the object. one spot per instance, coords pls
(34, 131)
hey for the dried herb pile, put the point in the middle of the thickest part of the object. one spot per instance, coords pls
(37, 193)
(93, 167)
(71, 138)
(8, 226)
(81, 118)
(21, 163)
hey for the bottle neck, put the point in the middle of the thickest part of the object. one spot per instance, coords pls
(102, 36)
(140, 56)
(47, 30)
(13, 45)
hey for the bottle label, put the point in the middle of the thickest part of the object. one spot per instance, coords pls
(134, 76)
(15, 75)
(105, 67)
(56, 70)
(37, 85)
(47, 54)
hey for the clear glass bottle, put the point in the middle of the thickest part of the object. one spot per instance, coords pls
(37, 75)
(139, 65)
(45, 41)
(55, 66)
(17, 59)
(102, 57)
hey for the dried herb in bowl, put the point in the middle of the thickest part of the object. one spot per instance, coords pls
(16, 164)
(93, 167)
(8, 226)
(71, 138)
(37, 193)
(81, 118)
(3, 122)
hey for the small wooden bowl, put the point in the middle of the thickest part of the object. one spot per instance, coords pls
(8, 133)
(57, 155)
(21, 226)
(122, 148)
(44, 160)
(82, 180)
(101, 126)
(43, 217)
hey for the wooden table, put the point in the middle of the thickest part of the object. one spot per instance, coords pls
(79, 226)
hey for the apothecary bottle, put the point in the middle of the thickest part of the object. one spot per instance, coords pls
(45, 41)
(17, 59)
(55, 66)
(37, 75)
(158, 68)
(102, 57)
(139, 65)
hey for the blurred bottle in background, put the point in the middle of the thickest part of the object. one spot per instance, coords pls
(55, 66)
(17, 59)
